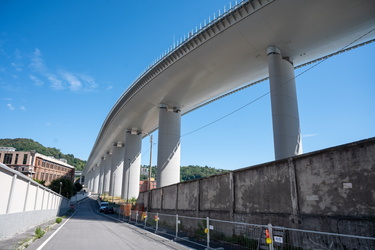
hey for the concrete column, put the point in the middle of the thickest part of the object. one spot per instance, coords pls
(101, 175)
(285, 118)
(117, 168)
(96, 179)
(132, 164)
(107, 173)
(90, 180)
(168, 168)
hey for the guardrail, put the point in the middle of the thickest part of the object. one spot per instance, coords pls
(212, 233)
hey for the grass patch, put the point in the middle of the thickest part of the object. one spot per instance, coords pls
(58, 220)
(39, 232)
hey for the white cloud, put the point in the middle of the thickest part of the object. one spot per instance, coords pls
(37, 62)
(56, 83)
(22, 108)
(89, 81)
(10, 106)
(36, 80)
(74, 83)
(61, 79)
(16, 66)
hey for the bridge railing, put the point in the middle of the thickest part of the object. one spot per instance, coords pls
(179, 43)
(213, 233)
(206, 23)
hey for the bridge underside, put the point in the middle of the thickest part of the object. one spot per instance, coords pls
(227, 54)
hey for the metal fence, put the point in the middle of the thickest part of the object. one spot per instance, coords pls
(207, 233)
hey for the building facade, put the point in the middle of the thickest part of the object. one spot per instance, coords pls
(36, 166)
(144, 185)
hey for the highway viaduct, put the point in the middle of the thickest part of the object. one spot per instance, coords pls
(252, 41)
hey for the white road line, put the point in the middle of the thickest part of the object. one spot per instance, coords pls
(44, 243)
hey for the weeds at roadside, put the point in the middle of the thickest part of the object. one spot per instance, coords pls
(39, 232)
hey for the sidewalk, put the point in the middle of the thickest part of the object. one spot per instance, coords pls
(23, 239)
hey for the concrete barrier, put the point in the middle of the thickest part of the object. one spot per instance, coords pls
(25, 203)
(331, 190)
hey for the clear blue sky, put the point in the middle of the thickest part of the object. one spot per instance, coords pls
(64, 64)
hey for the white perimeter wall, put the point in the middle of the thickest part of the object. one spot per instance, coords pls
(25, 203)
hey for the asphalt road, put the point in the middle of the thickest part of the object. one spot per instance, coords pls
(89, 229)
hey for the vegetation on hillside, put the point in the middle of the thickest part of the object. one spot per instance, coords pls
(195, 172)
(191, 172)
(22, 144)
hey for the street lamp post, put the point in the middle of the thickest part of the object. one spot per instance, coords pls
(60, 188)
(127, 195)
(113, 186)
(150, 168)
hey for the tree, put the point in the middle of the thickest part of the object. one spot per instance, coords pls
(78, 186)
(195, 172)
(40, 182)
(67, 187)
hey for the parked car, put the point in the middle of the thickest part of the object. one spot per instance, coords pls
(103, 206)
(109, 210)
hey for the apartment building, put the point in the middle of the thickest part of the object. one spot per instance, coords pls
(144, 185)
(35, 165)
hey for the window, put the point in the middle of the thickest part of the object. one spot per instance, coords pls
(16, 161)
(42, 178)
(24, 159)
(8, 158)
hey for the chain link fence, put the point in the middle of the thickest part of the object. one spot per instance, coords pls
(207, 233)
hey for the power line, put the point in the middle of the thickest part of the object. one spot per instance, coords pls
(317, 62)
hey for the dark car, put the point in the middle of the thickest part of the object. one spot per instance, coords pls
(109, 210)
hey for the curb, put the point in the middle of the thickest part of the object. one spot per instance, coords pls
(34, 238)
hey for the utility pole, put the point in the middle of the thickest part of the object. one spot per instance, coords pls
(149, 178)
(150, 168)
(127, 196)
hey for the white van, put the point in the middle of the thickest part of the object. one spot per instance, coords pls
(103, 205)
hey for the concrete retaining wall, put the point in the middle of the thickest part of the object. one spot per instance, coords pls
(331, 190)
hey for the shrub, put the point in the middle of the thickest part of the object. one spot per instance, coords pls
(39, 232)
(58, 220)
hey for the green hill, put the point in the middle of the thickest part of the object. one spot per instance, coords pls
(22, 144)
(190, 172)
(195, 172)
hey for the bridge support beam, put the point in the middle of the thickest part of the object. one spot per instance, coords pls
(117, 168)
(88, 180)
(96, 176)
(107, 173)
(101, 175)
(285, 118)
(168, 170)
(91, 183)
(132, 164)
